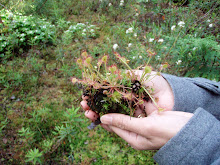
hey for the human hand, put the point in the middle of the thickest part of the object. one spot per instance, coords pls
(151, 132)
(148, 133)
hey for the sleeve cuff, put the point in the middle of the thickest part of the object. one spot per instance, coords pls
(198, 142)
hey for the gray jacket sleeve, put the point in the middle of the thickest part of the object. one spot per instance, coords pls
(198, 142)
(192, 93)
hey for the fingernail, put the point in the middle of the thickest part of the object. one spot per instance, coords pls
(106, 119)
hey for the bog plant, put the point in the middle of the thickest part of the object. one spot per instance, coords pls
(34, 156)
(79, 31)
(113, 90)
(19, 32)
(196, 57)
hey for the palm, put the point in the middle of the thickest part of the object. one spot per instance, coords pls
(162, 92)
(151, 132)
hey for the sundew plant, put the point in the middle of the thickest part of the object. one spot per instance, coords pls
(113, 90)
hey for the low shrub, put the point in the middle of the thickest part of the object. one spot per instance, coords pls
(20, 32)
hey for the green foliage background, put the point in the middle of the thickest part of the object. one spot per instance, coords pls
(41, 120)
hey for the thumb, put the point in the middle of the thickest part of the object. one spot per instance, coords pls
(124, 122)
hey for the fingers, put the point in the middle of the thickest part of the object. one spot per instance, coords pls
(138, 112)
(84, 105)
(84, 97)
(136, 141)
(106, 127)
(91, 115)
(124, 122)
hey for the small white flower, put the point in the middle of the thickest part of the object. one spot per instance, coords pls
(173, 27)
(121, 2)
(140, 57)
(129, 45)
(110, 4)
(84, 30)
(22, 35)
(92, 30)
(130, 30)
(83, 34)
(137, 14)
(4, 45)
(158, 57)
(151, 39)
(95, 67)
(181, 24)
(115, 46)
(133, 57)
(160, 40)
(211, 25)
(208, 20)
(135, 34)
(194, 48)
(10, 16)
(178, 62)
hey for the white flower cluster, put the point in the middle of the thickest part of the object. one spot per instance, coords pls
(179, 62)
(173, 27)
(210, 25)
(121, 3)
(160, 40)
(134, 57)
(115, 46)
(131, 30)
(129, 45)
(180, 24)
(82, 30)
(25, 29)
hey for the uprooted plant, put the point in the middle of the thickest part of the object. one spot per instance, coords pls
(113, 90)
